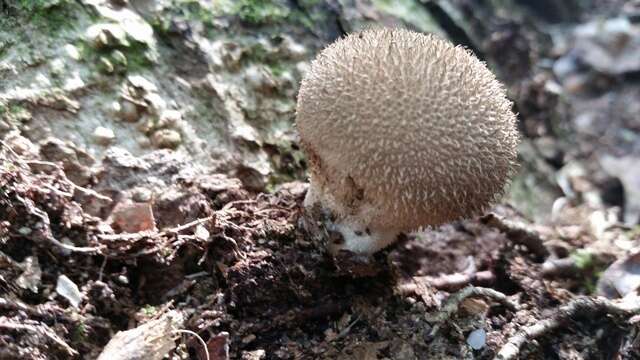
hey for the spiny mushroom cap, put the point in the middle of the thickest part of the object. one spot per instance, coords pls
(404, 130)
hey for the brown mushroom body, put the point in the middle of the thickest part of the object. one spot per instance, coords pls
(402, 130)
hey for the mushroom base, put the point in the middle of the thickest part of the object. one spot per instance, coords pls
(348, 232)
(353, 238)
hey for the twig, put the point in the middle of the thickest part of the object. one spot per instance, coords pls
(72, 248)
(237, 202)
(581, 305)
(49, 237)
(518, 233)
(102, 266)
(347, 329)
(453, 303)
(25, 164)
(67, 181)
(179, 228)
(204, 345)
(12, 152)
(456, 281)
(58, 191)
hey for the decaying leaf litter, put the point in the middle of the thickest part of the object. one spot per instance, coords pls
(151, 175)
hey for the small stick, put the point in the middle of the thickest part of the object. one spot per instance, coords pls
(581, 305)
(204, 345)
(453, 303)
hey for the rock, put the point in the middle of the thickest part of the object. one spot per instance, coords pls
(252, 178)
(128, 24)
(141, 83)
(127, 111)
(21, 145)
(119, 59)
(141, 194)
(621, 278)
(57, 67)
(549, 148)
(75, 161)
(254, 355)
(103, 136)
(175, 206)
(565, 66)
(106, 65)
(144, 93)
(69, 290)
(610, 47)
(31, 274)
(627, 169)
(107, 35)
(72, 52)
(166, 139)
(150, 341)
(156, 102)
(121, 171)
(133, 217)
(169, 119)
(218, 347)
(260, 79)
(121, 158)
(477, 339)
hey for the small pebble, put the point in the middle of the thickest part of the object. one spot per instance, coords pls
(69, 290)
(141, 194)
(477, 339)
(166, 139)
(103, 136)
(72, 52)
(24, 231)
(169, 118)
(57, 67)
(128, 111)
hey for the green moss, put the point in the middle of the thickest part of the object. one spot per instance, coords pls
(46, 15)
(15, 113)
(261, 11)
(259, 55)
(118, 59)
(190, 11)
(583, 259)
(277, 69)
(149, 310)
(80, 333)
(137, 56)
(5, 44)
(590, 268)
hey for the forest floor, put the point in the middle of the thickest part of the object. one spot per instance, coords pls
(150, 179)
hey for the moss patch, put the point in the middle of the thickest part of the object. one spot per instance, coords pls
(261, 11)
(117, 59)
(46, 15)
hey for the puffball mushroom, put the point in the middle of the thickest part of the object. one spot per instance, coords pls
(401, 130)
